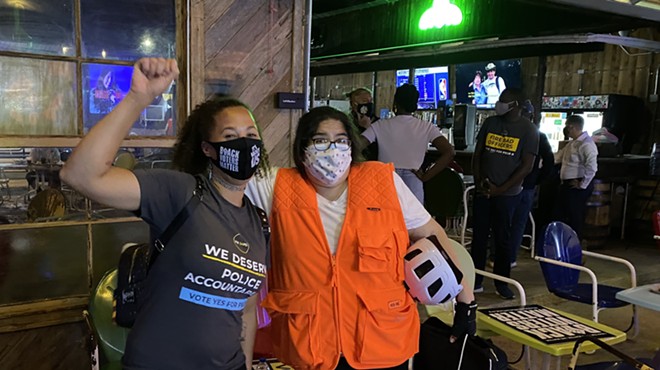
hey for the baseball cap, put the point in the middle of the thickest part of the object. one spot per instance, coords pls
(490, 67)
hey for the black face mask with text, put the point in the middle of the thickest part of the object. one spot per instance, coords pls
(238, 158)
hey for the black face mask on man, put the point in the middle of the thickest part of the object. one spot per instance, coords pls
(366, 109)
(238, 158)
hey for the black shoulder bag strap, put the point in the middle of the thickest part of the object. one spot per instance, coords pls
(180, 218)
(265, 226)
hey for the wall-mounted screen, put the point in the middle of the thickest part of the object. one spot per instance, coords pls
(482, 83)
(432, 84)
(106, 85)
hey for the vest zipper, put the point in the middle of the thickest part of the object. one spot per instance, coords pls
(335, 288)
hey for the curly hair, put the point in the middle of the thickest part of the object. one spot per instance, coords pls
(188, 155)
(307, 126)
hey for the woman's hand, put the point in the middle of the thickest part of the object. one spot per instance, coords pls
(152, 77)
(465, 320)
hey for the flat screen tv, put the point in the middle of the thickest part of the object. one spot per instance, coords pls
(104, 87)
(482, 83)
(432, 84)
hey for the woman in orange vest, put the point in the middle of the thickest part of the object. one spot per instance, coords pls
(340, 230)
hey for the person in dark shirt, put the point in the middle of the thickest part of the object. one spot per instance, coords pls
(363, 114)
(200, 297)
(504, 155)
(542, 170)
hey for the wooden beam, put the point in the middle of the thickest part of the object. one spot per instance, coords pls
(41, 314)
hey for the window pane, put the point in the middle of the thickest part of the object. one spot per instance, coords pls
(37, 97)
(128, 29)
(104, 86)
(37, 26)
(26, 172)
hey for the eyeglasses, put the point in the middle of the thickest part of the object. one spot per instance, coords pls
(324, 144)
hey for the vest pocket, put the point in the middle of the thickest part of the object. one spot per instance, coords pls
(294, 331)
(375, 251)
(388, 327)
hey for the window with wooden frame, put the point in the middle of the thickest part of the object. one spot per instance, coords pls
(66, 63)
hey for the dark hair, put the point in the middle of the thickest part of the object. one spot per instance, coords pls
(100, 83)
(357, 91)
(575, 120)
(478, 73)
(406, 97)
(188, 155)
(515, 94)
(309, 123)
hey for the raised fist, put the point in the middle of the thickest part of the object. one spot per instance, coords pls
(152, 77)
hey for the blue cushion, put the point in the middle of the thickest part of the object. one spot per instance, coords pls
(582, 293)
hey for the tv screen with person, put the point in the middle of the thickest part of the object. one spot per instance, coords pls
(105, 86)
(432, 84)
(482, 83)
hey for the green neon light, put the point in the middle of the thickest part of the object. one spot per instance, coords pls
(441, 14)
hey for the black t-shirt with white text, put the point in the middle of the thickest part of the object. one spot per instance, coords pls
(191, 317)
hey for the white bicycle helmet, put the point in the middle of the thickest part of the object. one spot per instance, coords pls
(431, 276)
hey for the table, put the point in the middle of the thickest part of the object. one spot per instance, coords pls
(555, 349)
(641, 296)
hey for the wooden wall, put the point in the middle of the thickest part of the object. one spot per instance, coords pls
(611, 71)
(335, 87)
(251, 49)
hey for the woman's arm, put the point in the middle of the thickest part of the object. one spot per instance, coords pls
(446, 152)
(249, 331)
(89, 169)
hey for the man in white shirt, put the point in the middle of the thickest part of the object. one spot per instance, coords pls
(494, 84)
(579, 163)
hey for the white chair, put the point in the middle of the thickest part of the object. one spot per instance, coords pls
(466, 193)
(532, 237)
(561, 262)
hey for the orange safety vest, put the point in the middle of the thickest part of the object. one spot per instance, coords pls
(353, 303)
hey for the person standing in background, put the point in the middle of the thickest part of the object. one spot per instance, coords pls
(494, 84)
(579, 163)
(363, 114)
(504, 155)
(403, 140)
(541, 170)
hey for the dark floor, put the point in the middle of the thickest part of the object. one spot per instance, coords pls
(646, 259)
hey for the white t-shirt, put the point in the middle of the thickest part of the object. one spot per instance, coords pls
(494, 88)
(333, 213)
(402, 140)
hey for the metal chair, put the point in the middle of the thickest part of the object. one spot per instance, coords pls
(560, 255)
(627, 363)
(445, 311)
(111, 338)
(442, 198)
(466, 194)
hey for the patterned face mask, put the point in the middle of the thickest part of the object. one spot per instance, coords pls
(327, 166)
